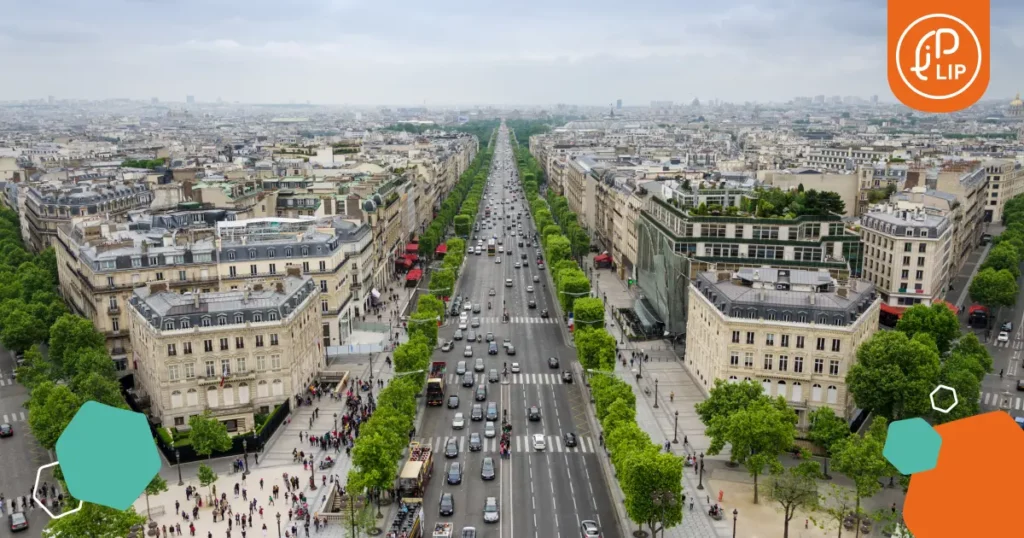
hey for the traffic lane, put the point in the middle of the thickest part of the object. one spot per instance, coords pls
(534, 511)
(20, 457)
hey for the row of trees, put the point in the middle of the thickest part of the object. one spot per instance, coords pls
(995, 285)
(436, 232)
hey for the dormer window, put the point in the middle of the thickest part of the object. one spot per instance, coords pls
(153, 260)
(252, 254)
(288, 252)
(257, 317)
(206, 322)
(222, 320)
(305, 251)
(272, 316)
(271, 253)
(231, 254)
(239, 318)
(184, 324)
(169, 325)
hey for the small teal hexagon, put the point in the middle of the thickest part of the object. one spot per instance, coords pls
(107, 455)
(912, 446)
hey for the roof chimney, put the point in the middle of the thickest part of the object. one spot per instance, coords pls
(195, 300)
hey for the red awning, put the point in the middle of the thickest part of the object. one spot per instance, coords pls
(405, 262)
(442, 249)
(899, 310)
(412, 247)
(602, 258)
(412, 257)
(415, 274)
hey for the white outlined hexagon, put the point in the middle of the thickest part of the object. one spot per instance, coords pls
(931, 398)
(42, 504)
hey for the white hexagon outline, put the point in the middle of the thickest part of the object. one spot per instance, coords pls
(956, 399)
(41, 504)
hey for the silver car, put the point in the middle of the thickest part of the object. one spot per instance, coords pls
(459, 421)
(491, 510)
(478, 365)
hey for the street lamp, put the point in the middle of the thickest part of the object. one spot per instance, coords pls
(663, 499)
(655, 393)
(335, 421)
(177, 458)
(675, 429)
(279, 525)
(735, 514)
(245, 454)
(700, 481)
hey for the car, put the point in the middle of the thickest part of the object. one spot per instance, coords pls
(552, 362)
(544, 313)
(508, 282)
(487, 469)
(476, 308)
(446, 345)
(471, 336)
(463, 325)
(492, 411)
(489, 430)
(1008, 327)
(467, 307)
(451, 448)
(6, 430)
(492, 293)
(491, 510)
(453, 401)
(481, 393)
(447, 506)
(1003, 337)
(532, 304)
(468, 380)
(515, 368)
(497, 260)
(536, 278)
(539, 442)
(477, 413)
(540, 266)
(589, 529)
(468, 352)
(455, 473)
(517, 265)
(533, 413)
(460, 368)
(459, 421)
(18, 521)
(567, 376)
(492, 375)
(529, 289)
(521, 244)
(510, 349)
(492, 348)
(476, 443)
(478, 365)
(457, 335)
(489, 337)
(569, 439)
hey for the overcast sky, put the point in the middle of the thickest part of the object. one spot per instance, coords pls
(441, 52)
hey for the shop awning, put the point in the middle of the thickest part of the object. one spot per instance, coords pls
(442, 249)
(412, 257)
(415, 274)
(899, 310)
(404, 262)
(412, 247)
(602, 258)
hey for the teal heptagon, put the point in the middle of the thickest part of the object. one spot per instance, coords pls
(912, 446)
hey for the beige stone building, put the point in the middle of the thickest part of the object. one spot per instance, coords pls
(235, 353)
(1005, 180)
(846, 185)
(794, 331)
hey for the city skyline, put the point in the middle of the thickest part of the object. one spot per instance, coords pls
(344, 53)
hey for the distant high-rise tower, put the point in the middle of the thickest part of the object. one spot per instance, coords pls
(618, 103)
(190, 99)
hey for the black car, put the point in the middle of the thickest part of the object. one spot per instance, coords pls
(477, 413)
(569, 439)
(6, 430)
(492, 411)
(567, 376)
(447, 504)
(476, 444)
(468, 379)
(481, 393)
(451, 449)
(492, 375)
(453, 402)
(532, 304)
(553, 362)
(544, 313)
(534, 413)
(487, 470)
(455, 473)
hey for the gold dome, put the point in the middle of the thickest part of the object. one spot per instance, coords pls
(1016, 101)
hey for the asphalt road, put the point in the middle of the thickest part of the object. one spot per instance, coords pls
(541, 494)
(20, 455)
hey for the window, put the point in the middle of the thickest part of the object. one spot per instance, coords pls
(252, 254)
(769, 339)
(232, 271)
(206, 322)
(323, 266)
(211, 370)
(252, 270)
(225, 367)
(922, 248)
(748, 360)
(768, 362)
(820, 346)
(323, 306)
(272, 316)
(172, 372)
(305, 251)
(766, 232)
(223, 344)
(239, 319)
(240, 364)
(257, 317)
(906, 260)
(190, 371)
(905, 274)
(816, 392)
(833, 367)
(169, 325)
(239, 342)
(172, 350)
(272, 269)
(271, 253)
(833, 394)
(259, 340)
(323, 286)
(920, 261)
(273, 339)
(184, 324)
(222, 320)
(734, 359)
(182, 275)
(783, 363)
(305, 267)
(231, 254)
(261, 361)
(159, 275)
(275, 362)
(819, 366)
(288, 252)
(750, 338)
(908, 247)
(115, 324)
(208, 345)
(798, 365)
(836, 343)
(800, 342)
(735, 337)
(186, 348)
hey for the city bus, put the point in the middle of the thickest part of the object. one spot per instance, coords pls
(490, 247)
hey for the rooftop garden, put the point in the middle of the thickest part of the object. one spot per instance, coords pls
(771, 204)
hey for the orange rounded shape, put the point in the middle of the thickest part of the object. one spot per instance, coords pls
(979, 459)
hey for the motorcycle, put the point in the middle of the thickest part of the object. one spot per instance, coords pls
(326, 464)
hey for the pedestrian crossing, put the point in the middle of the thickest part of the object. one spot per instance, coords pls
(520, 443)
(516, 319)
(18, 416)
(515, 379)
(1016, 344)
(1002, 400)
(6, 382)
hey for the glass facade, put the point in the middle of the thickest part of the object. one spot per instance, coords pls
(663, 274)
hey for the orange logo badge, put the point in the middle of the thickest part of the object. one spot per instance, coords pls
(938, 53)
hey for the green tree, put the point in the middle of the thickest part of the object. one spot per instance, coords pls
(409, 358)
(156, 486)
(424, 323)
(758, 434)
(51, 408)
(894, 375)
(937, 320)
(595, 349)
(826, 430)
(557, 248)
(430, 304)
(94, 520)
(993, 288)
(646, 473)
(833, 506)
(34, 370)
(442, 282)
(974, 355)
(70, 333)
(1003, 256)
(795, 488)
(571, 288)
(463, 225)
(725, 399)
(208, 435)
(589, 312)
(377, 459)
(861, 460)
(21, 330)
(206, 477)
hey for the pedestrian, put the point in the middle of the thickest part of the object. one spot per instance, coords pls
(261, 484)
(671, 396)
(691, 504)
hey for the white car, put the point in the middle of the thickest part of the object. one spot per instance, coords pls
(468, 352)
(529, 289)
(489, 431)
(459, 421)
(539, 442)
(463, 325)
(515, 368)
(497, 260)
(1003, 337)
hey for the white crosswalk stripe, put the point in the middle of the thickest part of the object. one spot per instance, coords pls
(1001, 401)
(536, 379)
(18, 416)
(5, 382)
(522, 442)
